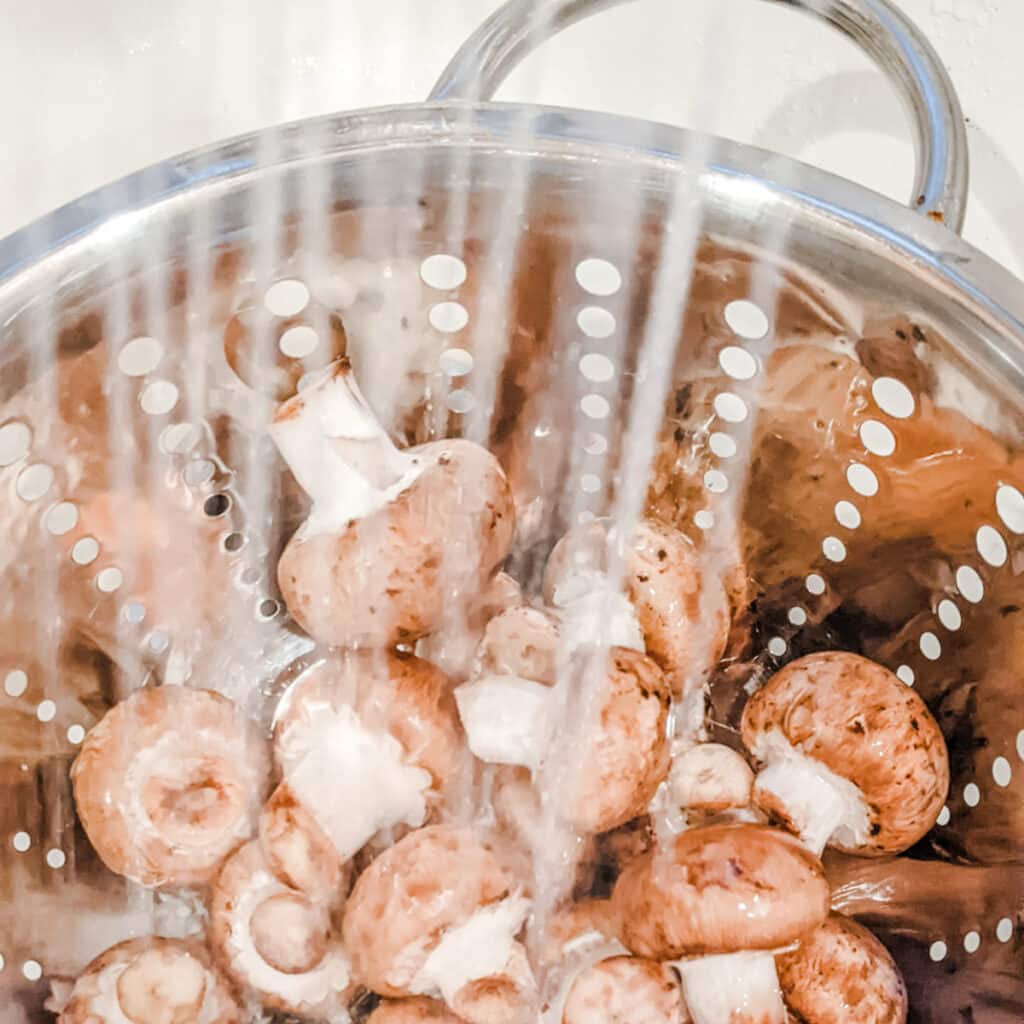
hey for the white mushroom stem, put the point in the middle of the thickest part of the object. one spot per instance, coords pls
(379, 788)
(817, 803)
(480, 947)
(593, 614)
(338, 451)
(507, 719)
(742, 988)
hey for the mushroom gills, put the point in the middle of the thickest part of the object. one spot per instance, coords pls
(507, 719)
(339, 453)
(354, 780)
(478, 948)
(738, 988)
(814, 801)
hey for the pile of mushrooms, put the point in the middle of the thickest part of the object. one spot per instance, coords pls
(420, 843)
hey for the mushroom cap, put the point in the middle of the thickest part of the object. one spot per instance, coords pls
(400, 693)
(415, 1010)
(858, 720)
(626, 757)
(720, 889)
(625, 990)
(151, 981)
(297, 849)
(710, 777)
(519, 642)
(507, 997)
(168, 783)
(388, 577)
(432, 879)
(841, 972)
(580, 923)
(665, 583)
(274, 941)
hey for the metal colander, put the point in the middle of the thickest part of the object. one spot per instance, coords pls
(492, 271)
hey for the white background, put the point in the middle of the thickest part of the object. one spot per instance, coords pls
(92, 89)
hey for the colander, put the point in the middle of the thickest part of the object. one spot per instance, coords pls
(492, 271)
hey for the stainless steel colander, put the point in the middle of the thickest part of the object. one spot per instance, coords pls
(491, 271)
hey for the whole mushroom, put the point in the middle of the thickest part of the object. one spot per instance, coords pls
(625, 990)
(724, 897)
(365, 741)
(392, 534)
(438, 914)
(168, 783)
(851, 756)
(680, 617)
(275, 942)
(710, 777)
(841, 972)
(151, 981)
(417, 1010)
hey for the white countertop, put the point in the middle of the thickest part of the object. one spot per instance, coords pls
(95, 90)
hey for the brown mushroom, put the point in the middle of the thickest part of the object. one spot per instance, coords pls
(726, 896)
(168, 783)
(151, 981)
(625, 990)
(365, 741)
(416, 1010)
(276, 942)
(392, 534)
(451, 911)
(683, 617)
(851, 756)
(841, 972)
(710, 777)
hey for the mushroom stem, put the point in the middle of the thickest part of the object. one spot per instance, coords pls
(813, 801)
(338, 451)
(742, 988)
(506, 719)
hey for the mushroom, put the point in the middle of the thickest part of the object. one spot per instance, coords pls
(168, 783)
(671, 607)
(841, 972)
(151, 981)
(726, 896)
(618, 767)
(625, 990)
(277, 942)
(852, 757)
(365, 741)
(710, 777)
(417, 1010)
(392, 534)
(451, 910)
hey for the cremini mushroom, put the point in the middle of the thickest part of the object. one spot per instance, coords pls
(365, 741)
(275, 942)
(719, 900)
(438, 914)
(670, 608)
(392, 534)
(168, 783)
(625, 990)
(151, 981)
(618, 766)
(710, 777)
(840, 972)
(851, 756)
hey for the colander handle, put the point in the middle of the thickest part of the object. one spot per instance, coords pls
(894, 42)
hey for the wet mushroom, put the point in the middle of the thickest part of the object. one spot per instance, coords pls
(453, 910)
(151, 981)
(851, 757)
(724, 897)
(168, 783)
(710, 777)
(841, 972)
(416, 1010)
(682, 618)
(365, 741)
(392, 534)
(276, 942)
(618, 766)
(625, 990)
